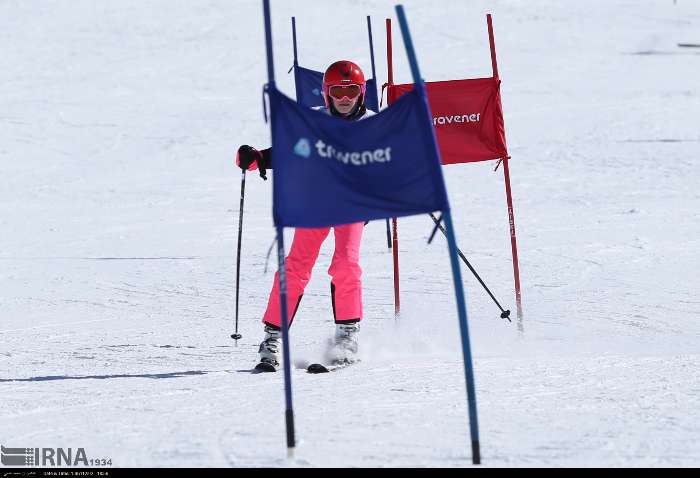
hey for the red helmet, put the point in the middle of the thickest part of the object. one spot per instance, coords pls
(343, 73)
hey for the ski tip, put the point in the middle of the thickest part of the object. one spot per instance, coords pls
(317, 368)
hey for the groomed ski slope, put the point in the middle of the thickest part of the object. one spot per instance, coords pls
(119, 122)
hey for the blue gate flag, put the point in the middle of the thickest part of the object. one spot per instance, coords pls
(329, 171)
(371, 99)
(309, 89)
(309, 84)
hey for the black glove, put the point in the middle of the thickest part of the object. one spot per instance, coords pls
(247, 155)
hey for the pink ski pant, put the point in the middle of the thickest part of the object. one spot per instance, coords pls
(345, 273)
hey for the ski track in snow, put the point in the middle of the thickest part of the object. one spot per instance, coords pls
(119, 209)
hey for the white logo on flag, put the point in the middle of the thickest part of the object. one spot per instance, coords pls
(353, 158)
(470, 118)
(303, 148)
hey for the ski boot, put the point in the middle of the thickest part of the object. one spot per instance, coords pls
(270, 350)
(344, 348)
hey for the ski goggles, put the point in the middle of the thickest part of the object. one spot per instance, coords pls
(345, 91)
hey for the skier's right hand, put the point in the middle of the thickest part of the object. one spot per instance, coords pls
(250, 159)
(247, 158)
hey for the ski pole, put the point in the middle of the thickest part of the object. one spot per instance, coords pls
(397, 289)
(236, 336)
(505, 314)
(388, 233)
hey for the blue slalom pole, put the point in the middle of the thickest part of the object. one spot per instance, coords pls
(294, 39)
(371, 53)
(452, 243)
(268, 44)
(466, 346)
(371, 46)
(289, 409)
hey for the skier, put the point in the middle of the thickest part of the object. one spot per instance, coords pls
(344, 91)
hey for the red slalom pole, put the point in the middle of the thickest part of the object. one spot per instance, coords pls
(389, 52)
(397, 293)
(509, 196)
(513, 240)
(492, 44)
(395, 227)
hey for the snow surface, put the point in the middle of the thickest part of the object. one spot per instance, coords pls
(119, 120)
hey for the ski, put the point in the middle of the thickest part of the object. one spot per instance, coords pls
(317, 368)
(263, 367)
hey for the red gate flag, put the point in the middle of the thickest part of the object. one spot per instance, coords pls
(468, 118)
(468, 121)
